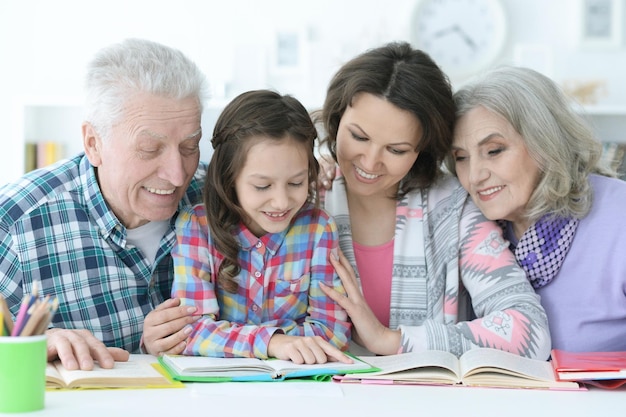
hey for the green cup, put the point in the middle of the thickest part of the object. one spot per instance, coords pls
(22, 373)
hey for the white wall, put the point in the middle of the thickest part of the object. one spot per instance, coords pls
(46, 44)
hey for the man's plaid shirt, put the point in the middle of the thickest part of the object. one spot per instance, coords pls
(56, 228)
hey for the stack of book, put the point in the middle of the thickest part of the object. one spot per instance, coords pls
(600, 369)
(41, 154)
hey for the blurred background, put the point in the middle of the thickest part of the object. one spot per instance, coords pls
(288, 45)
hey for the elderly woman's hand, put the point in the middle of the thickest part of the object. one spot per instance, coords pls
(327, 172)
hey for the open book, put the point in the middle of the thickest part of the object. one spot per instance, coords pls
(477, 367)
(136, 373)
(208, 369)
(601, 369)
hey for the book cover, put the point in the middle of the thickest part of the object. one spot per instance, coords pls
(603, 369)
(482, 367)
(30, 156)
(48, 152)
(136, 373)
(209, 369)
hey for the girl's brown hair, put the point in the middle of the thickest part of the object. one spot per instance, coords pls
(250, 117)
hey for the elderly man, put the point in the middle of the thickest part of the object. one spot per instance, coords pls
(96, 230)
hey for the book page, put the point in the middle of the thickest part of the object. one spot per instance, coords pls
(480, 360)
(53, 378)
(286, 367)
(216, 367)
(123, 374)
(493, 367)
(435, 366)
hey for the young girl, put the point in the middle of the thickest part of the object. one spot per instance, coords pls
(251, 258)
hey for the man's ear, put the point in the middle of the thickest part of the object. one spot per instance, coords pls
(92, 144)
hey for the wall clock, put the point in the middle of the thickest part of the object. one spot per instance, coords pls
(462, 36)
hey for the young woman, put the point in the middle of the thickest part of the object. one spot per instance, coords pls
(528, 159)
(251, 259)
(413, 241)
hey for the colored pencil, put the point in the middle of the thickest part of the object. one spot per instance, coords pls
(37, 312)
(22, 314)
(33, 317)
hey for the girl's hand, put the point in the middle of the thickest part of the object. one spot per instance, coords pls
(304, 349)
(368, 331)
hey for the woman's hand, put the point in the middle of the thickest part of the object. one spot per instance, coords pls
(368, 331)
(304, 349)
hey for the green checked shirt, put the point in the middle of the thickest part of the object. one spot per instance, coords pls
(56, 228)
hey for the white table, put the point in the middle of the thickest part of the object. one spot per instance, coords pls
(277, 399)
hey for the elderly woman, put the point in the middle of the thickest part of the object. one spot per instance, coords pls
(528, 159)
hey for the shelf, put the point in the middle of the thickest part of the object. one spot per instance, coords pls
(605, 110)
(608, 122)
(59, 118)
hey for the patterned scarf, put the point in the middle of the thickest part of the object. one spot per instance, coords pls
(543, 247)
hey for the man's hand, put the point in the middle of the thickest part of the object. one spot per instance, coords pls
(304, 349)
(78, 349)
(165, 329)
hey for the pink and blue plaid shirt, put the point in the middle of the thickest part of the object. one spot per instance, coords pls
(279, 285)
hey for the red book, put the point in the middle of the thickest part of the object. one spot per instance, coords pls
(603, 369)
